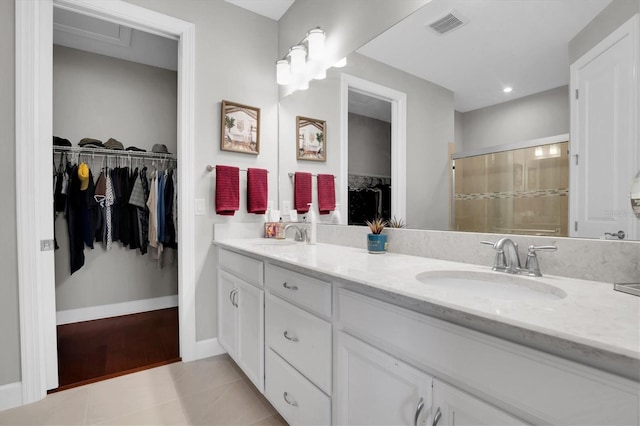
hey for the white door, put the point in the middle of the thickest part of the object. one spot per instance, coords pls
(451, 407)
(250, 338)
(604, 137)
(374, 388)
(227, 312)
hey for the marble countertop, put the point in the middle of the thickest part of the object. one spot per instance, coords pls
(593, 324)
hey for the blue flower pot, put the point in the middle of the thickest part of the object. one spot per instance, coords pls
(377, 243)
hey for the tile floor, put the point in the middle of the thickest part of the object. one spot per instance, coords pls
(210, 391)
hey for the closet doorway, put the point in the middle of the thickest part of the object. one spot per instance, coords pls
(369, 158)
(116, 272)
(33, 152)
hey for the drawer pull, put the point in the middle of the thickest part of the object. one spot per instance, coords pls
(289, 287)
(418, 411)
(436, 418)
(293, 339)
(286, 399)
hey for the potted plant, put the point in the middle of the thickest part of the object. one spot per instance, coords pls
(394, 222)
(376, 241)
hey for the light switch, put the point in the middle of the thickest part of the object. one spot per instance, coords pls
(200, 206)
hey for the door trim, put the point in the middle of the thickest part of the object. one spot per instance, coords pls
(34, 76)
(398, 102)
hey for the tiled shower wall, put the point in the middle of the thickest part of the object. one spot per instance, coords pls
(521, 191)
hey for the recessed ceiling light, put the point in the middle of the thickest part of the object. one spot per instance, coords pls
(507, 89)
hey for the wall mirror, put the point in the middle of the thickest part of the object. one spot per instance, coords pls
(482, 78)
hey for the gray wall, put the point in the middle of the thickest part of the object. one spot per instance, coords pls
(101, 97)
(369, 146)
(429, 131)
(235, 60)
(532, 117)
(614, 15)
(9, 318)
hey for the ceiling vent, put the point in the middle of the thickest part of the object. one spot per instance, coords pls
(447, 23)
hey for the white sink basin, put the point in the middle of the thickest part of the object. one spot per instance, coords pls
(492, 285)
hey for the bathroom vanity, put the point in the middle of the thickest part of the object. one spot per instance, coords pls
(347, 337)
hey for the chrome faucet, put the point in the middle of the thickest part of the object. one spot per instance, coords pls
(301, 232)
(507, 258)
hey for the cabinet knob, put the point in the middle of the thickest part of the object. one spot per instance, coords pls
(290, 402)
(289, 287)
(292, 339)
(436, 418)
(418, 411)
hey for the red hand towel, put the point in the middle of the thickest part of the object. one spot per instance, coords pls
(257, 191)
(326, 194)
(227, 190)
(302, 191)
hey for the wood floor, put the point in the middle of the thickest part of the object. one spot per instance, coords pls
(96, 350)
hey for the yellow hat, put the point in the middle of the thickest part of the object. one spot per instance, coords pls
(83, 175)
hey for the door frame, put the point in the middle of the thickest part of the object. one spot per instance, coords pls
(34, 131)
(398, 102)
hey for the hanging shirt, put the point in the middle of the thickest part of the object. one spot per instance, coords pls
(153, 212)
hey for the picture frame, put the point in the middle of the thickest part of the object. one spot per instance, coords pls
(311, 141)
(240, 128)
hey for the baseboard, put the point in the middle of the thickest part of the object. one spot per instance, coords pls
(208, 348)
(10, 395)
(115, 309)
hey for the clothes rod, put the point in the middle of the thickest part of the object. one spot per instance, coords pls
(291, 175)
(211, 168)
(112, 152)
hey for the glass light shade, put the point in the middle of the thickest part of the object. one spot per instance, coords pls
(320, 75)
(304, 84)
(341, 63)
(553, 150)
(315, 40)
(283, 72)
(298, 56)
(538, 151)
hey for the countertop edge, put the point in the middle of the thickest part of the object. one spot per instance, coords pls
(613, 362)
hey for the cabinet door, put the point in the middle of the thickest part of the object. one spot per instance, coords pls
(451, 406)
(250, 337)
(374, 388)
(227, 312)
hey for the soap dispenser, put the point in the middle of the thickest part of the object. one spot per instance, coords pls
(313, 225)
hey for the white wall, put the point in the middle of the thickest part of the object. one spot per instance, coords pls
(101, 97)
(9, 317)
(369, 146)
(531, 117)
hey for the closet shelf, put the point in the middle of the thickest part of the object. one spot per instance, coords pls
(112, 152)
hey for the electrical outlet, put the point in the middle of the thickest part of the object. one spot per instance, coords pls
(286, 207)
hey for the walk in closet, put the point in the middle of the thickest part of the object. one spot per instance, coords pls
(115, 120)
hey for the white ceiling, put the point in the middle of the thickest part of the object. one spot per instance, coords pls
(273, 9)
(517, 43)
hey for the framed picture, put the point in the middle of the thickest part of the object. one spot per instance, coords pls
(311, 139)
(240, 128)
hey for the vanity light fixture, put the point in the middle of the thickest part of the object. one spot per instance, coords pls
(507, 89)
(341, 63)
(305, 61)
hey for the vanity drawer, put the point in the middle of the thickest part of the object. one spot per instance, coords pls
(307, 343)
(507, 374)
(246, 268)
(295, 398)
(310, 293)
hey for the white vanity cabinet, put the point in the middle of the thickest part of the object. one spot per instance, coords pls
(502, 382)
(298, 346)
(374, 388)
(241, 312)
